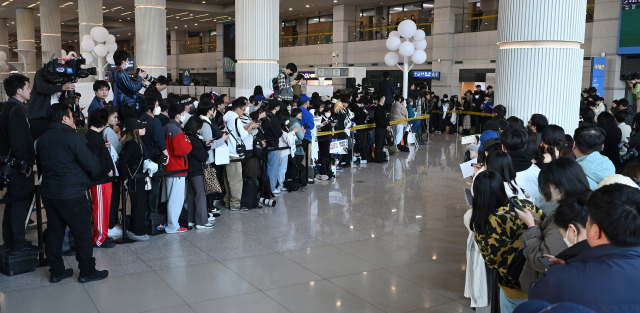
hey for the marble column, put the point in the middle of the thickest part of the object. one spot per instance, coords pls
(344, 16)
(25, 29)
(151, 36)
(539, 66)
(178, 40)
(257, 44)
(50, 29)
(442, 45)
(4, 44)
(89, 16)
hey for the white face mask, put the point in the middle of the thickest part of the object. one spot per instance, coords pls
(246, 110)
(157, 111)
(183, 118)
(477, 97)
(327, 114)
(289, 108)
(567, 240)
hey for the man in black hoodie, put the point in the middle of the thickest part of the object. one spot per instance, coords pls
(101, 183)
(382, 126)
(66, 165)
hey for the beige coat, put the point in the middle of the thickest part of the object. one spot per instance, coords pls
(398, 112)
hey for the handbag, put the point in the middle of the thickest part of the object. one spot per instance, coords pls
(211, 183)
(241, 148)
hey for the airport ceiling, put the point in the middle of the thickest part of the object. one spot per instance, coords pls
(191, 15)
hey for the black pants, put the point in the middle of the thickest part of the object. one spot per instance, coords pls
(139, 203)
(75, 213)
(19, 193)
(361, 145)
(379, 144)
(115, 204)
(38, 126)
(153, 195)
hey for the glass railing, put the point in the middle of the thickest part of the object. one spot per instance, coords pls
(191, 49)
(379, 31)
(305, 39)
(476, 22)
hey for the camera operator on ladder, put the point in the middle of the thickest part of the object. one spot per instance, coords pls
(17, 157)
(41, 101)
(125, 88)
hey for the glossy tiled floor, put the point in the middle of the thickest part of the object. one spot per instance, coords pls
(379, 238)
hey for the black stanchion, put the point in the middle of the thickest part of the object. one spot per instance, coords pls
(42, 261)
(125, 238)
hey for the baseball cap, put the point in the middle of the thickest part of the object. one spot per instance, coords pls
(304, 98)
(133, 124)
(260, 98)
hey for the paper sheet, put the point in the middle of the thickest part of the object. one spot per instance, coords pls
(473, 147)
(222, 155)
(467, 169)
(473, 139)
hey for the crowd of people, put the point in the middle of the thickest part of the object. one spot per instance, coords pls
(552, 226)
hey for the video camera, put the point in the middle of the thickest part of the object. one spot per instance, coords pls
(61, 71)
(629, 76)
(146, 77)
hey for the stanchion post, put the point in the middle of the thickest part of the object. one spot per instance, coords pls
(458, 125)
(429, 129)
(125, 238)
(41, 260)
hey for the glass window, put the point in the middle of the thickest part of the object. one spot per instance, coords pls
(370, 12)
(289, 23)
(326, 18)
(413, 6)
(313, 20)
(427, 4)
(395, 9)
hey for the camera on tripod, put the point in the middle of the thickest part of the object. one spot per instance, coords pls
(61, 71)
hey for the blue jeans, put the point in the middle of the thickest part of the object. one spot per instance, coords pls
(273, 168)
(507, 305)
(284, 162)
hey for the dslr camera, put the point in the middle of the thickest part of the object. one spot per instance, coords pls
(146, 77)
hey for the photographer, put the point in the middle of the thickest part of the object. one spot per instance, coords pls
(154, 90)
(125, 89)
(66, 165)
(16, 145)
(40, 102)
(634, 84)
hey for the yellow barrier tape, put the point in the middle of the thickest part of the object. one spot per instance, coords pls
(367, 126)
(482, 17)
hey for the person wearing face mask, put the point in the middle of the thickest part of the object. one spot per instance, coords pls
(478, 98)
(285, 84)
(178, 147)
(154, 146)
(571, 218)
(561, 179)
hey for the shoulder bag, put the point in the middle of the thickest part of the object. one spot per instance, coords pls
(211, 183)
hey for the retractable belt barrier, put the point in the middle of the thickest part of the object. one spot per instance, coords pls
(367, 126)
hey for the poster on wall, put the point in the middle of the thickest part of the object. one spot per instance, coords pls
(229, 47)
(598, 65)
(629, 37)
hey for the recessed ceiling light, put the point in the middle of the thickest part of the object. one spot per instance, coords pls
(307, 5)
(185, 25)
(118, 35)
(196, 24)
(175, 27)
(290, 9)
(128, 18)
(204, 2)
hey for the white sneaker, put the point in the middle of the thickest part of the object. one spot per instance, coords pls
(191, 224)
(135, 237)
(215, 211)
(205, 226)
(363, 161)
(116, 231)
(211, 218)
(277, 191)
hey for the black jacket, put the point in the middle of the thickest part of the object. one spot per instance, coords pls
(386, 89)
(272, 130)
(41, 92)
(152, 92)
(198, 155)
(380, 116)
(66, 163)
(124, 88)
(163, 119)
(95, 143)
(15, 134)
(130, 162)
(611, 142)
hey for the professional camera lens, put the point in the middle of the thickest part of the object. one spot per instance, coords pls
(268, 202)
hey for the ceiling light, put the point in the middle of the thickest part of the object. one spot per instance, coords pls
(290, 9)
(175, 27)
(33, 5)
(204, 2)
(307, 5)
(185, 25)
(196, 24)
(118, 35)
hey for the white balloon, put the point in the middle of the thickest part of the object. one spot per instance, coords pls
(419, 57)
(393, 43)
(87, 56)
(72, 54)
(394, 33)
(99, 34)
(110, 58)
(419, 35)
(406, 49)
(63, 54)
(112, 47)
(111, 39)
(101, 50)
(420, 44)
(3, 56)
(86, 37)
(407, 28)
(391, 59)
(87, 44)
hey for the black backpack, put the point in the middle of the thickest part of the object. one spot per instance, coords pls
(250, 193)
(276, 89)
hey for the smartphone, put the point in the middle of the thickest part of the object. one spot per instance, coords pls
(467, 194)
(545, 262)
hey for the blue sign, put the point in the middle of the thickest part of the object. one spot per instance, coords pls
(598, 72)
(426, 74)
(186, 77)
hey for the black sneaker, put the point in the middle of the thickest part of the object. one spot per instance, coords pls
(106, 244)
(96, 275)
(244, 208)
(66, 274)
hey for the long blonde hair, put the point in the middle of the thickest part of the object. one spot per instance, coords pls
(338, 106)
(133, 135)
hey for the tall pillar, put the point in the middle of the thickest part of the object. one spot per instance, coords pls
(257, 25)
(151, 36)
(606, 21)
(541, 71)
(50, 29)
(4, 44)
(178, 40)
(344, 16)
(25, 28)
(442, 47)
(222, 77)
(89, 16)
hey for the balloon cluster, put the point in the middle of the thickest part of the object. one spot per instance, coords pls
(98, 44)
(3, 62)
(407, 29)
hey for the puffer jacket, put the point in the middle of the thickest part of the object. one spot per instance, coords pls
(398, 112)
(124, 88)
(536, 242)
